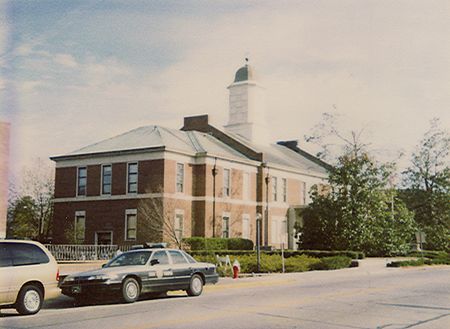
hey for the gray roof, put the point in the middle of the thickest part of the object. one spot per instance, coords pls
(149, 137)
(278, 155)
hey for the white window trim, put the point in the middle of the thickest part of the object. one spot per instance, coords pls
(284, 190)
(176, 178)
(246, 217)
(96, 236)
(179, 212)
(129, 212)
(226, 214)
(77, 180)
(137, 177)
(275, 188)
(101, 179)
(229, 183)
(79, 213)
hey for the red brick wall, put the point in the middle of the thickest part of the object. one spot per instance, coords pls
(93, 180)
(119, 178)
(151, 176)
(65, 182)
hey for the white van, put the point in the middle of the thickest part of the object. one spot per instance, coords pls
(28, 275)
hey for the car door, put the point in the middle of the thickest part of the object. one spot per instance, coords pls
(181, 269)
(5, 275)
(159, 272)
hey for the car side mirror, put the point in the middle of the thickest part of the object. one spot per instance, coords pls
(154, 262)
(104, 265)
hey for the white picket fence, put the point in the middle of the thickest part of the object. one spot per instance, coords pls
(77, 252)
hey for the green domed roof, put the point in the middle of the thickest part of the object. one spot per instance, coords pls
(244, 73)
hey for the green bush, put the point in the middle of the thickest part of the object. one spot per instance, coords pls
(332, 263)
(207, 244)
(240, 244)
(432, 258)
(401, 263)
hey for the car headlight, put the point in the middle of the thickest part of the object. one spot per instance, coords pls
(100, 277)
(68, 279)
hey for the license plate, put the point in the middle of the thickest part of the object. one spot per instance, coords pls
(76, 289)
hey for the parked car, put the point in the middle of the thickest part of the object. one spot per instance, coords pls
(135, 272)
(28, 275)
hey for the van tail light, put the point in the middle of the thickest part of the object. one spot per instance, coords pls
(57, 275)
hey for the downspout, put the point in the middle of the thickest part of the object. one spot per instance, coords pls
(214, 174)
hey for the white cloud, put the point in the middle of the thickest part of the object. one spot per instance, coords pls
(366, 61)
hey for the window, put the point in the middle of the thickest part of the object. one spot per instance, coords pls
(106, 179)
(246, 186)
(26, 254)
(132, 177)
(284, 189)
(81, 181)
(130, 224)
(178, 227)
(5, 258)
(274, 189)
(161, 256)
(225, 226)
(189, 258)
(80, 226)
(177, 257)
(226, 182)
(130, 259)
(246, 226)
(180, 177)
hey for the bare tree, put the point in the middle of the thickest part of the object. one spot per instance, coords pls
(160, 221)
(31, 205)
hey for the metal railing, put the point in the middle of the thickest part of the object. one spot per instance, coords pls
(77, 252)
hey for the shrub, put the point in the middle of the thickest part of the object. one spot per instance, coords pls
(332, 263)
(199, 243)
(240, 244)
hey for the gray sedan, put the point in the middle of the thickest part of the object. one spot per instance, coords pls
(132, 273)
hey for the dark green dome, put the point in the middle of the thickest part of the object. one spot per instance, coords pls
(244, 73)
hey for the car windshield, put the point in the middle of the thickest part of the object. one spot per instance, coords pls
(130, 258)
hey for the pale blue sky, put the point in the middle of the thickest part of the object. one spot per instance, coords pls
(76, 72)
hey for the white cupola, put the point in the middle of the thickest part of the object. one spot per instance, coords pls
(247, 112)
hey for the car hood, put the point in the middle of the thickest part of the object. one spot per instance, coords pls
(110, 270)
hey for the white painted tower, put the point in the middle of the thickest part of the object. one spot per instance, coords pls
(247, 113)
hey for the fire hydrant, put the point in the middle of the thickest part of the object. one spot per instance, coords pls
(236, 269)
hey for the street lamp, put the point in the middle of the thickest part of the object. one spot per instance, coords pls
(258, 242)
(266, 212)
(214, 174)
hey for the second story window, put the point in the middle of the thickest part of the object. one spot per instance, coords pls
(274, 189)
(132, 177)
(284, 189)
(245, 186)
(81, 181)
(226, 182)
(106, 179)
(180, 177)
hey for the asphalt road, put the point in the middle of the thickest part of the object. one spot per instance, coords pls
(370, 296)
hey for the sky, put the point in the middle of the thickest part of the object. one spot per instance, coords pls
(76, 72)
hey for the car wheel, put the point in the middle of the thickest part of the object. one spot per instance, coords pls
(130, 290)
(195, 286)
(29, 300)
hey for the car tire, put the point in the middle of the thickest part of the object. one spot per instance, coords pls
(195, 286)
(130, 290)
(29, 301)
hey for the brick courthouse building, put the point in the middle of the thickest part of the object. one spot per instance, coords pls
(211, 182)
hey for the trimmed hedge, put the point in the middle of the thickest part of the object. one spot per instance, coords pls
(218, 244)
(333, 263)
(287, 253)
(433, 258)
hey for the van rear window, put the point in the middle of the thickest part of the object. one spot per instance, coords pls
(26, 254)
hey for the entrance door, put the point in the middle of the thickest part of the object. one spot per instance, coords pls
(104, 238)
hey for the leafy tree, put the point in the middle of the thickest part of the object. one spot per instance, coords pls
(359, 211)
(427, 183)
